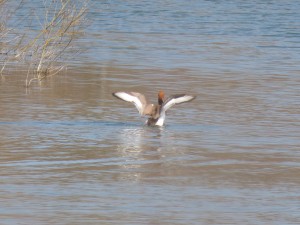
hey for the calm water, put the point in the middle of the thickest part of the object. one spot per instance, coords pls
(72, 154)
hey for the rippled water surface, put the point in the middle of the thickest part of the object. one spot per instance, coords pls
(73, 154)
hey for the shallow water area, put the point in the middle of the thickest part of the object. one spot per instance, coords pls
(71, 153)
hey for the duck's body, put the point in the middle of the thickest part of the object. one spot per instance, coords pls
(157, 112)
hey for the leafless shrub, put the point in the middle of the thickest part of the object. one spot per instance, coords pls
(9, 40)
(47, 51)
(4, 15)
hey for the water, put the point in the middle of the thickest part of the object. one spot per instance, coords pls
(73, 154)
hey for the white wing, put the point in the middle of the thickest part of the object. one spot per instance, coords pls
(172, 100)
(132, 97)
(176, 99)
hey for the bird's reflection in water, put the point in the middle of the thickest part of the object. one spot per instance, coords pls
(139, 147)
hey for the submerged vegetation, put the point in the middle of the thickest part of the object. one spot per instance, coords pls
(44, 45)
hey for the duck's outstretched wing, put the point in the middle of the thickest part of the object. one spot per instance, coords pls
(136, 98)
(176, 99)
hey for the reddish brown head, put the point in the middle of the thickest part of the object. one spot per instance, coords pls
(161, 96)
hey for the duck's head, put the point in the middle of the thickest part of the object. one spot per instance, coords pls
(161, 96)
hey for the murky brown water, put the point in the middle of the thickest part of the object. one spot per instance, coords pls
(70, 153)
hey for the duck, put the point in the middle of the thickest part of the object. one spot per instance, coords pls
(156, 112)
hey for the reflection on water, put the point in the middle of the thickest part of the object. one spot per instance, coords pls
(134, 142)
(73, 154)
